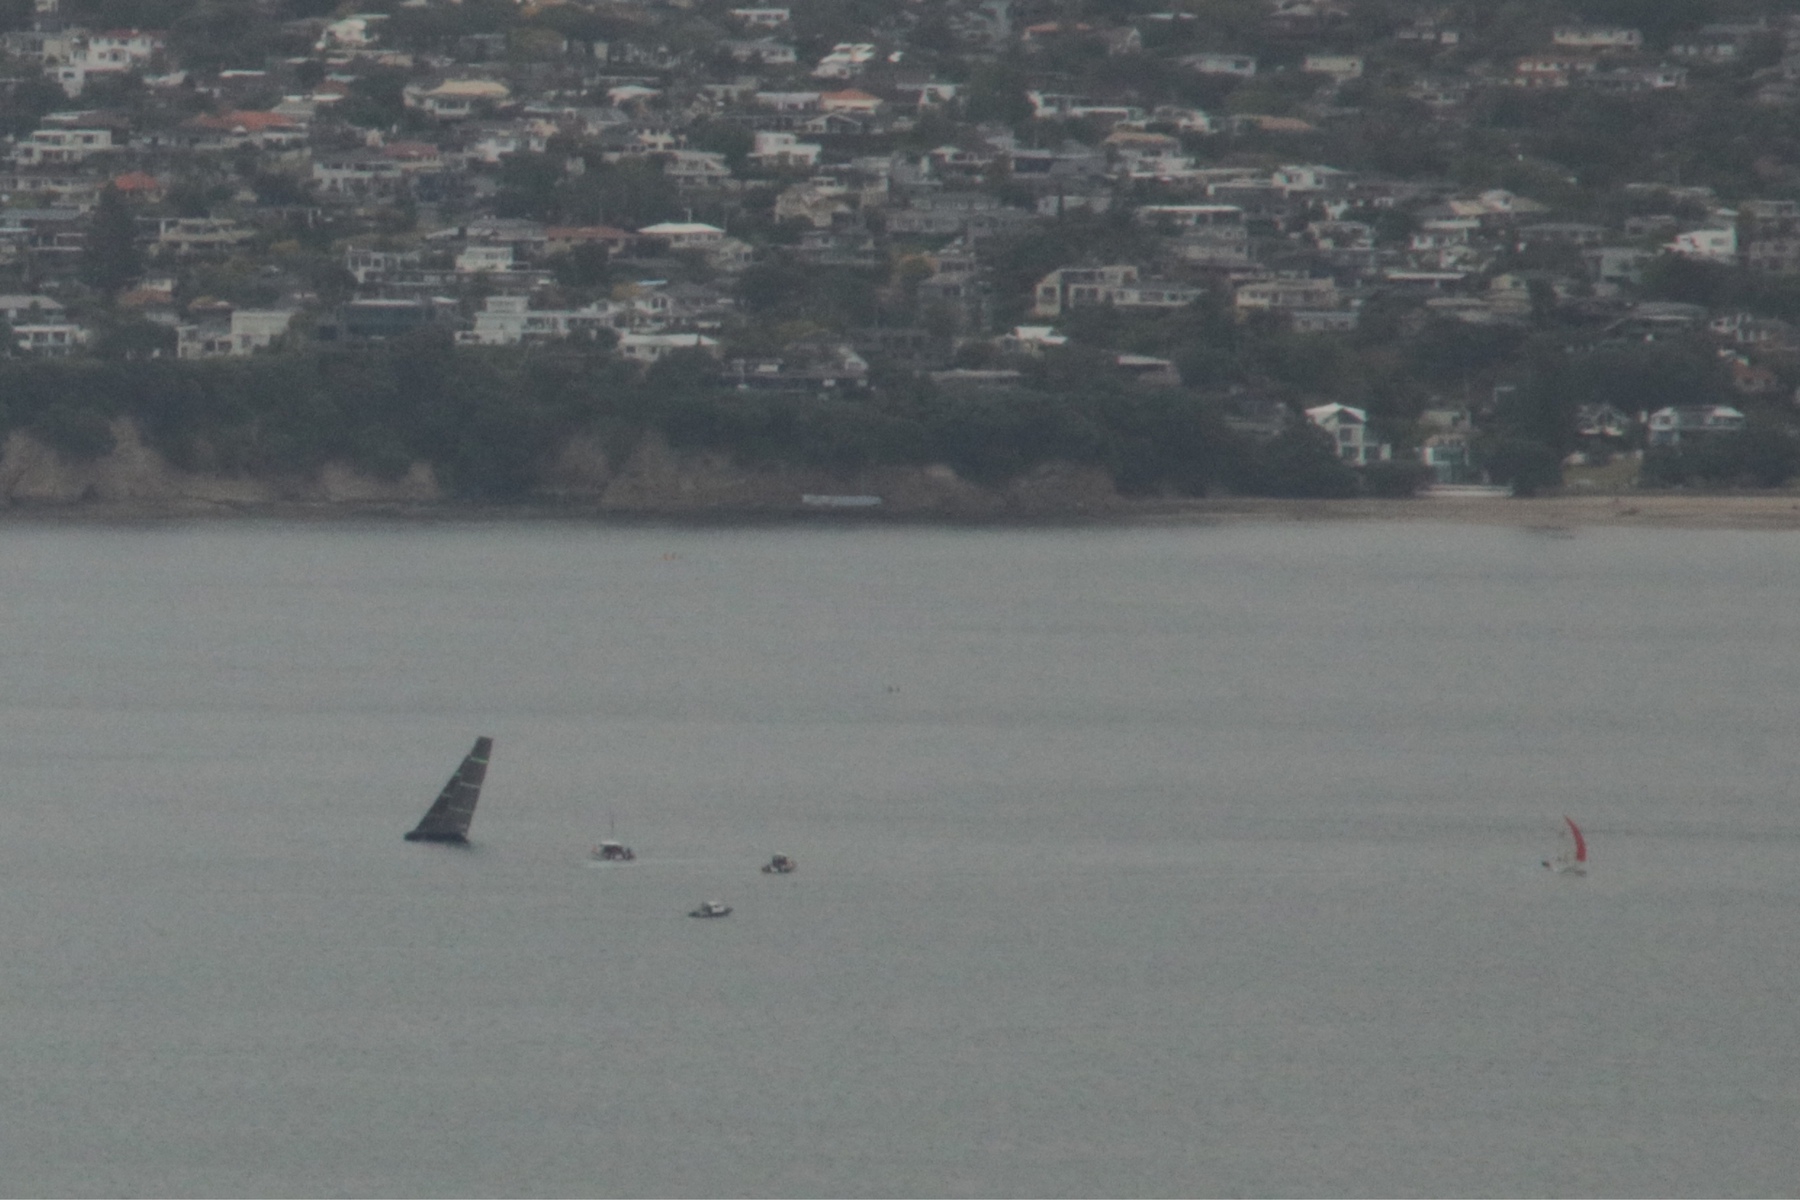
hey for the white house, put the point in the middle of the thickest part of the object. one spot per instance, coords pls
(846, 59)
(1341, 67)
(1286, 295)
(199, 235)
(762, 18)
(49, 339)
(787, 101)
(1115, 286)
(45, 147)
(767, 51)
(30, 310)
(473, 260)
(250, 330)
(774, 148)
(255, 329)
(850, 100)
(456, 99)
(647, 348)
(1712, 245)
(683, 235)
(1594, 37)
(350, 33)
(1349, 429)
(511, 321)
(359, 175)
(1668, 426)
(1221, 64)
(695, 166)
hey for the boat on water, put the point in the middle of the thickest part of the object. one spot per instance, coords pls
(448, 818)
(711, 908)
(610, 851)
(780, 864)
(1572, 858)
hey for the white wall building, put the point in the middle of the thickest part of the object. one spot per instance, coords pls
(1221, 64)
(45, 147)
(475, 259)
(1349, 429)
(49, 339)
(776, 149)
(1712, 245)
(1593, 37)
(683, 235)
(647, 348)
(511, 321)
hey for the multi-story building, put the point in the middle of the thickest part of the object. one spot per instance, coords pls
(1350, 432)
(1117, 286)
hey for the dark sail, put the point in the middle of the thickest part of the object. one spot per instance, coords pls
(448, 820)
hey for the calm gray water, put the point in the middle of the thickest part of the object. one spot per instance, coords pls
(1132, 862)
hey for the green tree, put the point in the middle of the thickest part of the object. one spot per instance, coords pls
(1302, 462)
(583, 266)
(111, 259)
(1528, 466)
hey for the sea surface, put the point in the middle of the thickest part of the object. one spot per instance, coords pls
(1197, 860)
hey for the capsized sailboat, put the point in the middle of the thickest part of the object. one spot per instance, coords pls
(1573, 857)
(450, 814)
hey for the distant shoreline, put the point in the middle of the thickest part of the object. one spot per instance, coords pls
(1744, 511)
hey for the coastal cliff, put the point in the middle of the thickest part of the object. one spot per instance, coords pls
(136, 475)
(650, 479)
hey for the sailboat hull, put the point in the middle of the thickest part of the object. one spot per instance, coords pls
(448, 839)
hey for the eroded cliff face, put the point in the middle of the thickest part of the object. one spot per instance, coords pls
(137, 475)
(653, 480)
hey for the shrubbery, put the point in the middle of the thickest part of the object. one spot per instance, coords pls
(490, 422)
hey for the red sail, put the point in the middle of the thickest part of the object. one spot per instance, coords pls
(1580, 842)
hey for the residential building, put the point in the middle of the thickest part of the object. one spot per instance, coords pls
(511, 321)
(186, 236)
(49, 339)
(1278, 295)
(1350, 432)
(776, 149)
(457, 99)
(646, 348)
(1671, 426)
(30, 310)
(1116, 286)
(47, 147)
(474, 260)
(762, 18)
(683, 235)
(1221, 64)
(1341, 67)
(1597, 37)
(1710, 244)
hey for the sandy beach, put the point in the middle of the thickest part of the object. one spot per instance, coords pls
(1770, 510)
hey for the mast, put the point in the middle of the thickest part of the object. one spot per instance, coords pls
(450, 814)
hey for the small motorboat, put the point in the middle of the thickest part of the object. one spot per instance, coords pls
(781, 864)
(711, 908)
(612, 852)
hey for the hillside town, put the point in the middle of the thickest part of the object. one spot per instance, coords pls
(1529, 244)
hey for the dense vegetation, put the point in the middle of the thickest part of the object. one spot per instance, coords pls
(490, 420)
